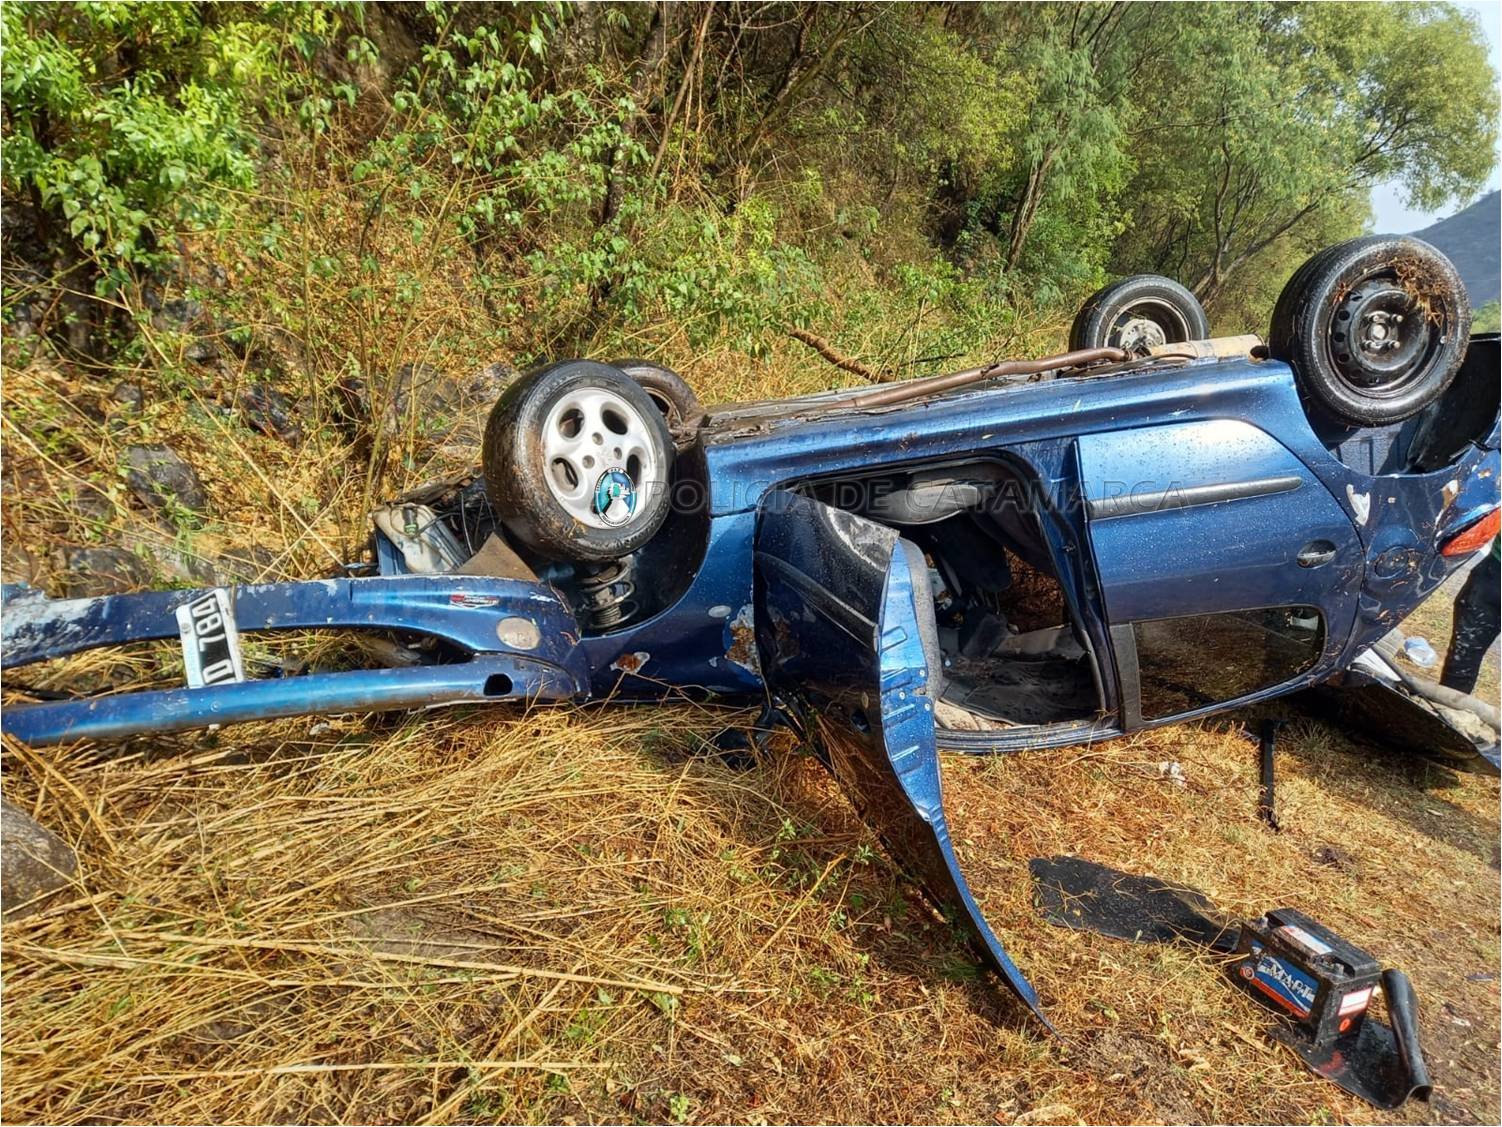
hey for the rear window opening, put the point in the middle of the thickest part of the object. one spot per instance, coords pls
(1012, 653)
(1199, 660)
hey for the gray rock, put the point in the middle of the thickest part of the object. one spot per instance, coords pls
(156, 474)
(462, 404)
(129, 395)
(17, 564)
(352, 406)
(192, 271)
(187, 316)
(269, 411)
(179, 315)
(34, 863)
(416, 389)
(207, 275)
(24, 321)
(440, 406)
(176, 564)
(495, 376)
(88, 572)
(93, 504)
(167, 554)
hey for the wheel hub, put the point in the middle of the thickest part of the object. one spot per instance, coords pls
(1377, 334)
(1138, 334)
(1147, 323)
(599, 455)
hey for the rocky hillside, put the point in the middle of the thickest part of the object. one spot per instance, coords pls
(1471, 238)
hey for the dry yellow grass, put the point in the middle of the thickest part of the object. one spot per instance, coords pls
(571, 915)
(1435, 622)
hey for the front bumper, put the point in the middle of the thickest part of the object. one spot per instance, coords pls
(512, 639)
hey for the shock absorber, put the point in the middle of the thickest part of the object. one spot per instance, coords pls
(605, 593)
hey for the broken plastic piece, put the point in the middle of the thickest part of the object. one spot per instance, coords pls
(1385, 1067)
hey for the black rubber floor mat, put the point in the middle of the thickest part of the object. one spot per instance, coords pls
(1023, 690)
(1083, 895)
(1385, 1067)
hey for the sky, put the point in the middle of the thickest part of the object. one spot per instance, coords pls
(1390, 215)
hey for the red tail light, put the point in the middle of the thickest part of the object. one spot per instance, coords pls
(1477, 535)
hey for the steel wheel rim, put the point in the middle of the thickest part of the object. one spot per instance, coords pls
(1147, 323)
(1378, 312)
(599, 457)
(663, 403)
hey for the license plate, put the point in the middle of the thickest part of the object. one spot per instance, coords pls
(211, 644)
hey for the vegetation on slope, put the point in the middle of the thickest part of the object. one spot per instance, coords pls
(303, 204)
(909, 174)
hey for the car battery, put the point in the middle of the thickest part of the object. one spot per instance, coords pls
(1307, 972)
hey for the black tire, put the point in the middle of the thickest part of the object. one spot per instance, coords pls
(1138, 312)
(553, 504)
(1375, 329)
(674, 398)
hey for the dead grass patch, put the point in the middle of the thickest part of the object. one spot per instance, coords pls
(570, 915)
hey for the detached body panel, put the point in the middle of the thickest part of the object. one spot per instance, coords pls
(846, 632)
(519, 638)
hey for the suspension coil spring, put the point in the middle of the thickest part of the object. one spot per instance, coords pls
(605, 594)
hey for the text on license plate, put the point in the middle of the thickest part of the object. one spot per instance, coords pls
(211, 644)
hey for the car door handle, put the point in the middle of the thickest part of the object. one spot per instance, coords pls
(1316, 553)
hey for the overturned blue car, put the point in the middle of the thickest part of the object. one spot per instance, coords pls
(1151, 527)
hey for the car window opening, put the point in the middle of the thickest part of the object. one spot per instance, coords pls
(1197, 660)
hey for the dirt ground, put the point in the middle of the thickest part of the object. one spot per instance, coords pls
(576, 916)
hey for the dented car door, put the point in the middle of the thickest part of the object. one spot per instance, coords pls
(1226, 567)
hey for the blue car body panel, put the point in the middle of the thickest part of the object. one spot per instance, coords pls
(474, 613)
(1178, 515)
(462, 609)
(1145, 430)
(703, 641)
(1174, 431)
(360, 690)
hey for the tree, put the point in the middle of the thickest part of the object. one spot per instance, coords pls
(1281, 117)
(1082, 58)
(125, 123)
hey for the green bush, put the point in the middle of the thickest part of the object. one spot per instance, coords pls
(913, 177)
(126, 122)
